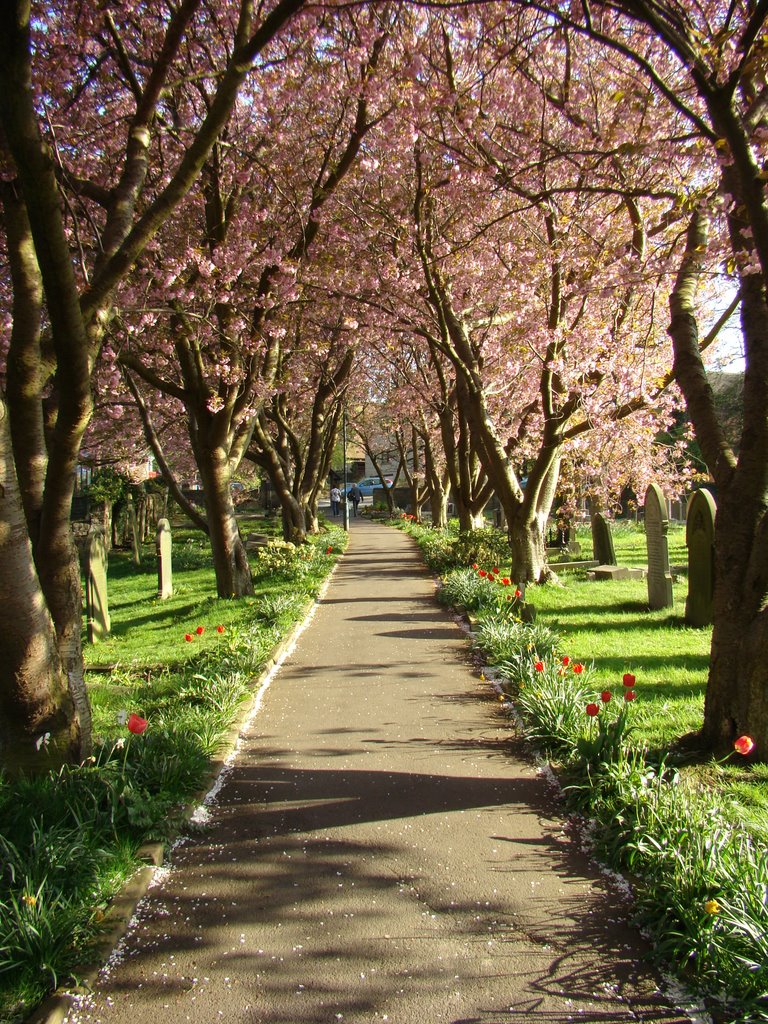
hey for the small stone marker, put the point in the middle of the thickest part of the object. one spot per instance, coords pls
(700, 541)
(602, 541)
(610, 572)
(656, 527)
(96, 607)
(163, 541)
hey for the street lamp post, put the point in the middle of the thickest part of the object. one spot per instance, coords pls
(344, 499)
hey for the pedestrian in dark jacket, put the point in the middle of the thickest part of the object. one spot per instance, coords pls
(355, 496)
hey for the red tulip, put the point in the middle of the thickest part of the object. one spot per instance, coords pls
(592, 710)
(578, 669)
(483, 573)
(628, 679)
(518, 593)
(744, 745)
(219, 629)
(566, 661)
(200, 630)
(136, 724)
(605, 696)
(629, 695)
(539, 666)
(188, 637)
(495, 571)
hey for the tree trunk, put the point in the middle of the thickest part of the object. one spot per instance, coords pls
(737, 688)
(294, 515)
(312, 520)
(469, 521)
(438, 504)
(388, 491)
(36, 707)
(230, 560)
(527, 544)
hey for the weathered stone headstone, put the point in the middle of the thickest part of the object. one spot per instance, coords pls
(656, 527)
(602, 541)
(163, 542)
(254, 541)
(96, 606)
(700, 540)
(676, 510)
(133, 527)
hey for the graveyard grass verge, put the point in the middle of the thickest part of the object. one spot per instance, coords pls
(166, 711)
(611, 695)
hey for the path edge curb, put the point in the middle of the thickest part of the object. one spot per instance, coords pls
(57, 1006)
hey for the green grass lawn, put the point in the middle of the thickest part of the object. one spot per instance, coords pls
(629, 543)
(608, 622)
(147, 646)
(148, 632)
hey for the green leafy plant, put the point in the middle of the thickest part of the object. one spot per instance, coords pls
(607, 735)
(107, 485)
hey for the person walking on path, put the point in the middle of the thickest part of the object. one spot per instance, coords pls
(381, 848)
(335, 500)
(354, 494)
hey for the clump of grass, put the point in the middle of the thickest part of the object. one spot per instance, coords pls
(447, 548)
(463, 588)
(512, 644)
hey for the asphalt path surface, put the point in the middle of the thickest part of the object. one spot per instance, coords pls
(380, 849)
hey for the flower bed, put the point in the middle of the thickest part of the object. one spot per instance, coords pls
(700, 880)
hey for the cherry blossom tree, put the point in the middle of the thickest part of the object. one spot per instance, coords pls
(233, 293)
(103, 137)
(708, 62)
(539, 261)
(295, 432)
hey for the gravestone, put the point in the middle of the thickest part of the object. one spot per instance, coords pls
(610, 572)
(602, 541)
(133, 527)
(164, 568)
(656, 527)
(255, 541)
(700, 541)
(96, 606)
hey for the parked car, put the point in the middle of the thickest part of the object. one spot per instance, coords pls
(369, 483)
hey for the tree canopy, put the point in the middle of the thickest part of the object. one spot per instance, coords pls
(504, 227)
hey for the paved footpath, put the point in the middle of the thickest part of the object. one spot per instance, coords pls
(381, 849)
